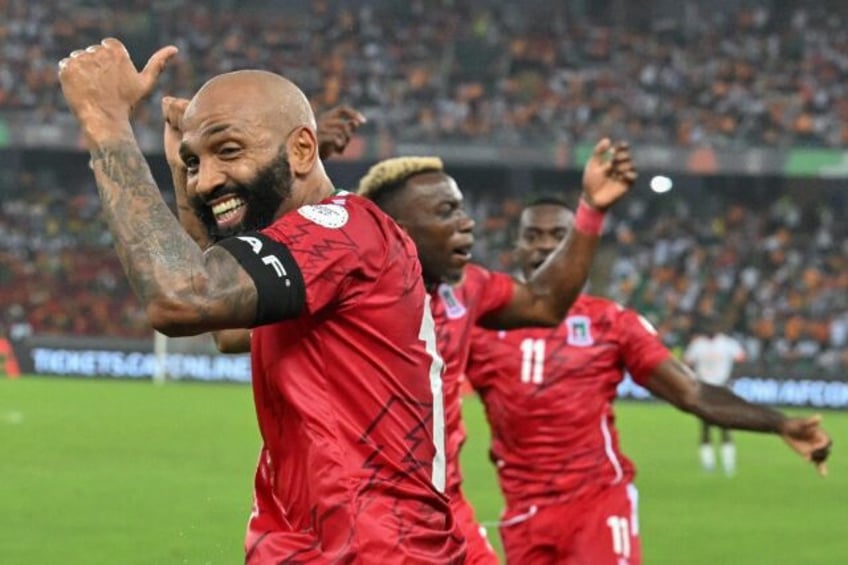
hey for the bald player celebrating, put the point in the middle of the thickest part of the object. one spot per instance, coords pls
(334, 130)
(346, 376)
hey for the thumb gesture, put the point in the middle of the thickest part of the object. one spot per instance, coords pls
(102, 85)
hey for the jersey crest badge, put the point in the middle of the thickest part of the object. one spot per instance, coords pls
(579, 331)
(330, 216)
(453, 307)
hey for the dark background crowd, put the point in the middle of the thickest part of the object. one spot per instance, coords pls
(767, 256)
(721, 73)
(774, 270)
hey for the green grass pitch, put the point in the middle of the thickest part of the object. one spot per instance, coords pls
(130, 473)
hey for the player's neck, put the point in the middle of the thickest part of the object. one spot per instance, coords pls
(307, 193)
(433, 284)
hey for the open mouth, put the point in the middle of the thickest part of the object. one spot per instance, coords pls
(229, 212)
(539, 261)
(463, 252)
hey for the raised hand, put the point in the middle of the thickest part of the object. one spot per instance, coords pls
(102, 85)
(335, 128)
(608, 175)
(173, 110)
(809, 440)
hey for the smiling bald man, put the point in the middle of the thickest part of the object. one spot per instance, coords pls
(346, 376)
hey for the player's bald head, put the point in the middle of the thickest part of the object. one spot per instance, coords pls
(258, 97)
(251, 135)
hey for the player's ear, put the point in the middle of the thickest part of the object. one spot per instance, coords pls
(302, 147)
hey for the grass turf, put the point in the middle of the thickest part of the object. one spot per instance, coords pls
(127, 472)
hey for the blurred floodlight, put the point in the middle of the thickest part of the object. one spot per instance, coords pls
(661, 184)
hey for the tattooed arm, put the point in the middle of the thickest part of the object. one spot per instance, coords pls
(184, 290)
(674, 382)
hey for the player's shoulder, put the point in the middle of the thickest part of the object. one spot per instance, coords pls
(346, 215)
(341, 224)
(476, 278)
(619, 316)
(340, 210)
(363, 205)
(474, 273)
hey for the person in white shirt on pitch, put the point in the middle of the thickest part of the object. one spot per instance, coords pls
(712, 357)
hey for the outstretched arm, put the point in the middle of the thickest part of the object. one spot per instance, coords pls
(553, 288)
(674, 382)
(184, 290)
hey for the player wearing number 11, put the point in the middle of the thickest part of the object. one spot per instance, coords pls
(548, 396)
(428, 205)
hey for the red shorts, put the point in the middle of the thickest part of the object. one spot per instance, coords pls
(478, 549)
(272, 547)
(598, 530)
(271, 542)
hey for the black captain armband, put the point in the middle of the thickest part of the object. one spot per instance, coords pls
(280, 290)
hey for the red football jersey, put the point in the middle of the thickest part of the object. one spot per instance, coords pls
(456, 309)
(548, 394)
(349, 400)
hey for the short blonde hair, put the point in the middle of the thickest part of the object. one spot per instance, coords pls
(391, 173)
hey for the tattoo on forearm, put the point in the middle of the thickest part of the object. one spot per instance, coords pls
(149, 241)
(158, 256)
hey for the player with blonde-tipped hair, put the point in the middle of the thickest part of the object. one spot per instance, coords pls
(428, 205)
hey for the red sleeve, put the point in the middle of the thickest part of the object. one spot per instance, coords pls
(334, 244)
(495, 291)
(641, 348)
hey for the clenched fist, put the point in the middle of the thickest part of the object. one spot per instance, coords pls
(102, 85)
(335, 129)
(806, 436)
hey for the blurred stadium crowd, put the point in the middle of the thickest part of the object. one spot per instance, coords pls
(772, 273)
(59, 273)
(724, 74)
(775, 273)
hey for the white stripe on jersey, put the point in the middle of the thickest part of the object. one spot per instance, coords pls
(619, 473)
(633, 495)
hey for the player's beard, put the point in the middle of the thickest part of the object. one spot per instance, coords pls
(263, 197)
